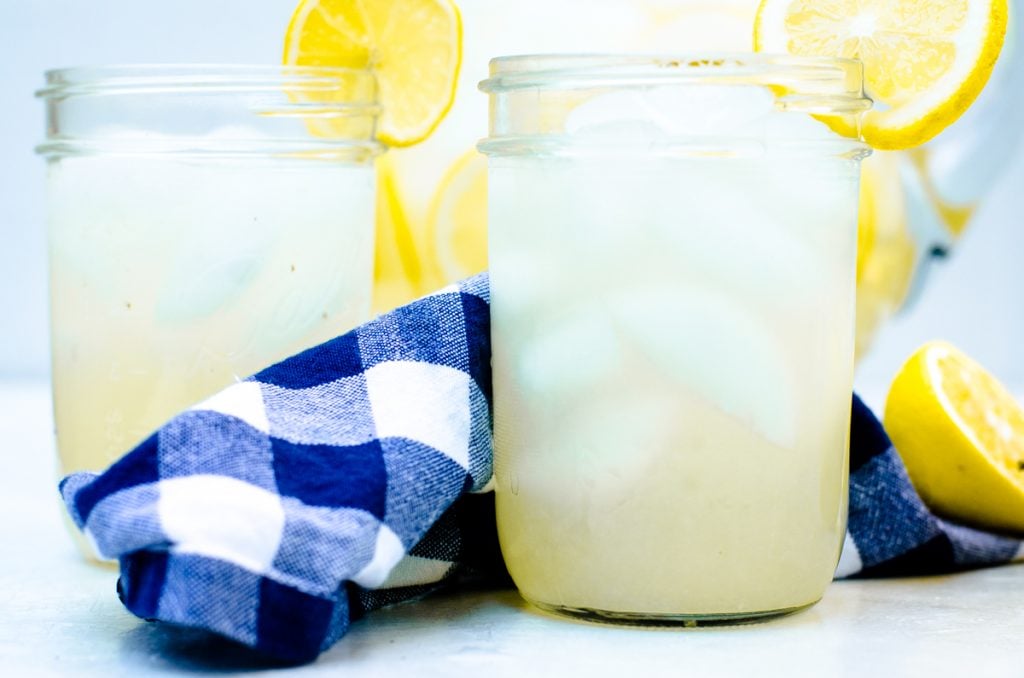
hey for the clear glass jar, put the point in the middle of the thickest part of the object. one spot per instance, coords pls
(204, 222)
(672, 256)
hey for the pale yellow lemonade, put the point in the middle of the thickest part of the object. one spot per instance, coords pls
(673, 340)
(172, 278)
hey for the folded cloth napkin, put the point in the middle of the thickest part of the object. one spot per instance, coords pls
(354, 475)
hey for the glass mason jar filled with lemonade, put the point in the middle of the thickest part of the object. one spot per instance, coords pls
(672, 261)
(204, 222)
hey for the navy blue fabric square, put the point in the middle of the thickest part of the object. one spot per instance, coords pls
(142, 582)
(292, 625)
(477, 318)
(139, 467)
(325, 475)
(319, 365)
(867, 437)
(934, 556)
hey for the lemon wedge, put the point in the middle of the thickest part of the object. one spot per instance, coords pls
(925, 61)
(414, 46)
(961, 435)
(458, 218)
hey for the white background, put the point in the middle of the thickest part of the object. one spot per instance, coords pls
(975, 300)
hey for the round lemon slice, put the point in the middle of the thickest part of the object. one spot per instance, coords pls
(961, 435)
(414, 46)
(925, 61)
(458, 218)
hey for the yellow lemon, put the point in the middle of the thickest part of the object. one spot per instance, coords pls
(399, 270)
(414, 47)
(885, 250)
(925, 61)
(458, 218)
(961, 435)
(720, 25)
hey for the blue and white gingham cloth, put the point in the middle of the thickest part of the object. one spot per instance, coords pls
(355, 474)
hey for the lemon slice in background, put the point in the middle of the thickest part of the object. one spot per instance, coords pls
(961, 435)
(886, 254)
(400, 272)
(458, 218)
(414, 47)
(925, 61)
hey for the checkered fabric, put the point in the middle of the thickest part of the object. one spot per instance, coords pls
(354, 475)
(890, 532)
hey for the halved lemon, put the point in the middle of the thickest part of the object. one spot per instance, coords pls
(961, 435)
(925, 61)
(414, 46)
(458, 218)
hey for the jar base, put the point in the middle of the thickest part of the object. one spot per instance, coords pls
(666, 620)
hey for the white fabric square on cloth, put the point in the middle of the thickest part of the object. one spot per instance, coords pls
(244, 401)
(386, 554)
(422, 402)
(224, 518)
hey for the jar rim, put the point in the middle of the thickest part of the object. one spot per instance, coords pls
(211, 110)
(829, 89)
(184, 77)
(837, 77)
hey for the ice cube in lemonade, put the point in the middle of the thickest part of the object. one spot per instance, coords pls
(171, 279)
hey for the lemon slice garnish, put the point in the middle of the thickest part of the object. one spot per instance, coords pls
(414, 46)
(925, 61)
(961, 435)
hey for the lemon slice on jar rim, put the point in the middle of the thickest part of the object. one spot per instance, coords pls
(414, 47)
(925, 61)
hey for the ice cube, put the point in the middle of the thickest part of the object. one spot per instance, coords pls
(690, 110)
(621, 115)
(712, 346)
(570, 356)
(705, 109)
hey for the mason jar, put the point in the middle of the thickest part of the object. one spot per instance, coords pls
(204, 222)
(672, 261)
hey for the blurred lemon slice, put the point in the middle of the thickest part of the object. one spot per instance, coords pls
(399, 271)
(414, 47)
(720, 25)
(885, 250)
(458, 218)
(961, 435)
(925, 61)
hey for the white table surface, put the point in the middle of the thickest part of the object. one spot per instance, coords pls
(60, 616)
